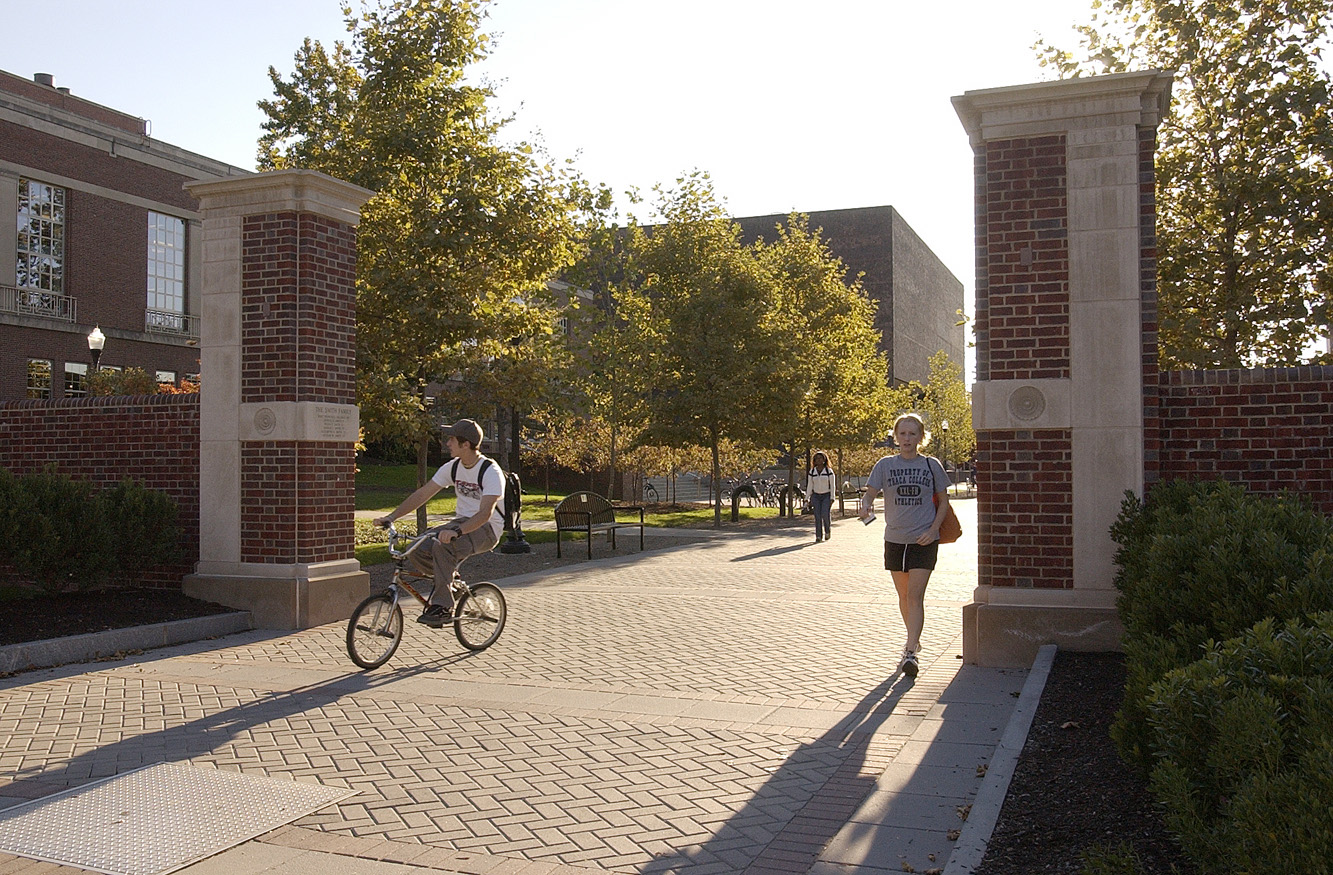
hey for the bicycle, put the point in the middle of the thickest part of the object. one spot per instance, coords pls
(376, 626)
(650, 494)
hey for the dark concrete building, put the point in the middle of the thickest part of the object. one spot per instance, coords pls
(917, 298)
(107, 237)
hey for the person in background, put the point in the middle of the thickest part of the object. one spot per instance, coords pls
(819, 485)
(912, 484)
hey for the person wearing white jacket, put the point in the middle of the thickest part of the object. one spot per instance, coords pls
(819, 485)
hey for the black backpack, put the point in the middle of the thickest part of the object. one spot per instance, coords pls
(511, 501)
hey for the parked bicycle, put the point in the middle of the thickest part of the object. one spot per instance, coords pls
(650, 493)
(376, 627)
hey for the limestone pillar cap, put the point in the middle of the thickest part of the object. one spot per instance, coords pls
(1141, 98)
(275, 191)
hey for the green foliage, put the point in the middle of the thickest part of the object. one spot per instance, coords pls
(1243, 745)
(131, 381)
(146, 529)
(833, 371)
(715, 342)
(455, 247)
(1106, 860)
(65, 539)
(64, 534)
(1201, 561)
(366, 532)
(943, 399)
(11, 515)
(1244, 169)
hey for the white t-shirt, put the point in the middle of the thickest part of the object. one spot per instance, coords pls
(470, 491)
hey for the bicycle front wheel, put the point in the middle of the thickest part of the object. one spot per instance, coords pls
(480, 616)
(375, 630)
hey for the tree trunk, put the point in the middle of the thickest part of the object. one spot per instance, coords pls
(717, 486)
(423, 446)
(515, 435)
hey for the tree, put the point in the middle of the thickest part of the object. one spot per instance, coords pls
(1244, 169)
(456, 245)
(834, 372)
(712, 332)
(946, 399)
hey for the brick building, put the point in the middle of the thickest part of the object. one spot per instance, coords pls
(107, 237)
(916, 297)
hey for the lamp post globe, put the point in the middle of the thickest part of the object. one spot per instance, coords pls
(96, 340)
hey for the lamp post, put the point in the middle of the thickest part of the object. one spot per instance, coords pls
(944, 444)
(96, 340)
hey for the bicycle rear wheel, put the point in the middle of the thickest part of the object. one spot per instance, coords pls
(374, 631)
(480, 616)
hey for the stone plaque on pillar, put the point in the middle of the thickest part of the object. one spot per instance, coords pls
(278, 415)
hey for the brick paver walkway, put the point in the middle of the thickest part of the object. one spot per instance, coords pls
(726, 707)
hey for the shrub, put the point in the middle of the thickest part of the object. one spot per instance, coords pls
(1108, 860)
(1243, 741)
(11, 532)
(131, 381)
(63, 542)
(366, 532)
(1201, 561)
(147, 528)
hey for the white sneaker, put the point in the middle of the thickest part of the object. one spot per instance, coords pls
(909, 665)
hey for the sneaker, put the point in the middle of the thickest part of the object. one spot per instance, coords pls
(909, 665)
(435, 616)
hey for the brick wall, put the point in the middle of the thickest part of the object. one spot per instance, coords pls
(152, 439)
(1269, 429)
(298, 270)
(29, 148)
(1025, 533)
(1025, 508)
(1152, 439)
(277, 477)
(1026, 319)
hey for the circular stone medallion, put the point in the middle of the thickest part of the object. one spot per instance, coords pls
(1027, 403)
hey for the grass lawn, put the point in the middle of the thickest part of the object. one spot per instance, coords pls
(383, 487)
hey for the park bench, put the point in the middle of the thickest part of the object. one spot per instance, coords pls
(589, 512)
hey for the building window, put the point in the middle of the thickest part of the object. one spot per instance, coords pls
(166, 271)
(39, 378)
(168, 377)
(76, 380)
(41, 237)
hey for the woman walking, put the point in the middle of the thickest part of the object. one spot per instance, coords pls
(916, 499)
(819, 484)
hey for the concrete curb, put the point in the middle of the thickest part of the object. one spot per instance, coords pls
(98, 645)
(976, 832)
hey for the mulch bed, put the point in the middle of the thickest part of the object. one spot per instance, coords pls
(77, 613)
(1071, 792)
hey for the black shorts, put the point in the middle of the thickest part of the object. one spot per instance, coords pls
(905, 557)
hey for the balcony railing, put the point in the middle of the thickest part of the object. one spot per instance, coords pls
(174, 324)
(36, 302)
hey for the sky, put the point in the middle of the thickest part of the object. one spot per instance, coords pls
(787, 105)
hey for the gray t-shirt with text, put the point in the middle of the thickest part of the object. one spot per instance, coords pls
(908, 487)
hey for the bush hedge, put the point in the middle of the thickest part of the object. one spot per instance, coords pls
(1243, 745)
(64, 534)
(1205, 561)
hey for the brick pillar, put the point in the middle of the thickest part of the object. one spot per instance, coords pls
(1066, 297)
(278, 418)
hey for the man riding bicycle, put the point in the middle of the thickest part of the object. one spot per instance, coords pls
(477, 524)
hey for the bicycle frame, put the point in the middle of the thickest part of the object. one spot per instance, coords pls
(401, 574)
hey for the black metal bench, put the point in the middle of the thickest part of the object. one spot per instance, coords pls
(589, 512)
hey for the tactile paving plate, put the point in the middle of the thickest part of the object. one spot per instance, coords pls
(156, 819)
